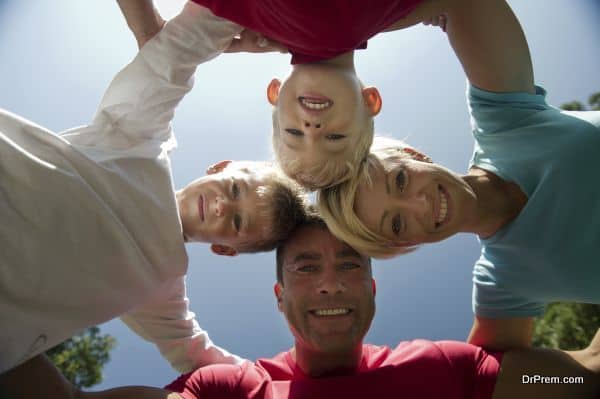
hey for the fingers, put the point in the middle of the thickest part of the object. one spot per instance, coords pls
(438, 20)
(253, 42)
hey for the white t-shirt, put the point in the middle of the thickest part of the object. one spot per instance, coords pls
(90, 228)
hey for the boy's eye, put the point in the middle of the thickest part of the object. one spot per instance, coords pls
(235, 190)
(396, 224)
(295, 132)
(334, 136)
(401, 180)
(237, 222)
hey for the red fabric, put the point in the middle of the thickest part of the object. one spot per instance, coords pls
(314, 30)
(415, 369)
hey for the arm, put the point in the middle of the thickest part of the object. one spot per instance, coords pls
(487, 39)
(501, 334)
(168, 322)
(142, 18)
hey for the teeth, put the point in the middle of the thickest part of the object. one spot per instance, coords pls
(331, 312)
(315, 105)
(443, 207)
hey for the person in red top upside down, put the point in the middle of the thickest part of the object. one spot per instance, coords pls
(326, 291)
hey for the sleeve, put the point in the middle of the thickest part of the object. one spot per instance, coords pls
(492, 300)
(495, 112)
(167, 321)
(139, 104)
(217, 381)
(475, 368)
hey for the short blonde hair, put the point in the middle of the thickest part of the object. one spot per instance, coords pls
(281, 205)
(336, 204)
(329, 171)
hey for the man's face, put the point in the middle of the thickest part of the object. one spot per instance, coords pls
(327, 294)
(321, 111)
(220, 208)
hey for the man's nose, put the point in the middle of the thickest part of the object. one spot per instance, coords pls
(221, 206)
(331, 282)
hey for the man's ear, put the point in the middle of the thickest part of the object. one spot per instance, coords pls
(372, 99)
(278, 289)
(217, 167)
(417, 155)
(223, 250)
(374, 286)
(273, 91)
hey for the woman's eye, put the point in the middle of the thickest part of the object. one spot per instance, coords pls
(396, 225)
(237, 222)
(334, 136)
(235, 190)
(401, 180)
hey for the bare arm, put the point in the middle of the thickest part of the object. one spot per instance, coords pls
(487, 39)
(142, 18)
(39, 378)
(501, 334)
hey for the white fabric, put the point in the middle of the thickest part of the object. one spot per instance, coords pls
(90, 229)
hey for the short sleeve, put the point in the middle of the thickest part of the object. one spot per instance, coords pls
(216, 381)
(494, 112)
(492, 300)
(476, 368)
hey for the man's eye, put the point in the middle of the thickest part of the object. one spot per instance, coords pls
(235, 190)
(396, 224)
(237, 222)
(295, 132)
(306, 268)
(401, 180)
(335, 136)
(350, 266)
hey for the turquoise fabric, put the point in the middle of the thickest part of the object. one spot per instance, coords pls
(548, 253)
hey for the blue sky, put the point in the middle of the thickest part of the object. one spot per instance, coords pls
(58, 57)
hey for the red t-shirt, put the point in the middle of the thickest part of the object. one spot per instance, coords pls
(314, 30)
(415, 369)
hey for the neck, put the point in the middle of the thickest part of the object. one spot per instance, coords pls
(498, 202)
(318, 364)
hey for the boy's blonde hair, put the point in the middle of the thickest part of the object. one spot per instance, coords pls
(281, 205)
(328, 171)
(336, 204)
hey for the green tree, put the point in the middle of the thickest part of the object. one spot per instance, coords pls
(569, 325)
(82, 357)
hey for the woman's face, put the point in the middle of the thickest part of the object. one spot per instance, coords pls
(411, 202)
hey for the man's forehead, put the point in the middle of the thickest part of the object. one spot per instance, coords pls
(316, 241)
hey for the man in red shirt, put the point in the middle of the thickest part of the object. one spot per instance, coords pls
(326, 292)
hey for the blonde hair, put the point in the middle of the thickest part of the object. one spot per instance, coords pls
(281, 205)
(336, 204)
(329, 171)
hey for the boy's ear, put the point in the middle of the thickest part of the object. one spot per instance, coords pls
(273, 91)
(217, 167)
(417, 155)
(372, 99)
(223, 250)
(277, 289)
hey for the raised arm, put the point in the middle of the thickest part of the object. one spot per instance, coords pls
(142, 18)
(487, 39)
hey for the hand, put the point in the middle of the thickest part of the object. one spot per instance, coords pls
(438, 20)
(253, 42)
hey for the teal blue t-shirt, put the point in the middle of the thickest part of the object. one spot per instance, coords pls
(548, 253)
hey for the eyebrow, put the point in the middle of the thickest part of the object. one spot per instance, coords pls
(248, 215)
(385, 213)
(306, 256)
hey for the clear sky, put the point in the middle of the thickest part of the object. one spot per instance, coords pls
(58, 57)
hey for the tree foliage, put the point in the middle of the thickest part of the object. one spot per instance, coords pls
(82, 357)
(569, 326)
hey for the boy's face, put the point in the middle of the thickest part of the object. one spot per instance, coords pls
(321, 109)
(220, 208)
